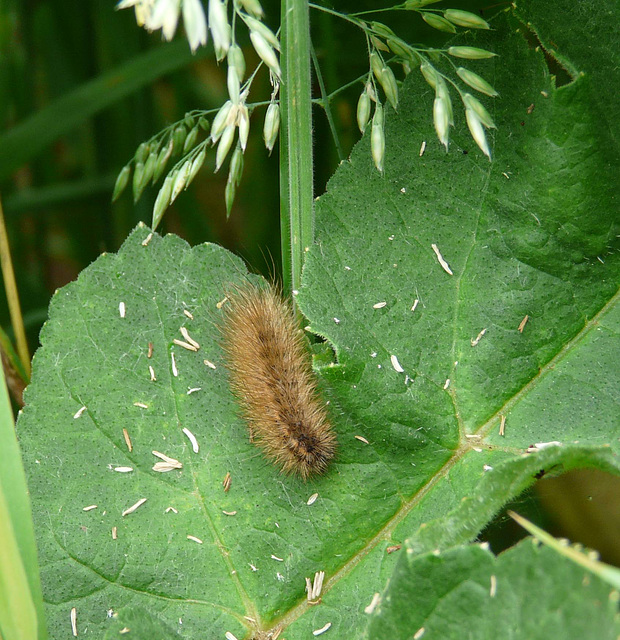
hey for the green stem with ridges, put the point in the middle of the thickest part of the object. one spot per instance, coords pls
(296, 176)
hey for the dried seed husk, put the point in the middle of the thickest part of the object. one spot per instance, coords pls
(163, 200)
(429, 73)
(190, 141)
(197, 163)
(256, 26)
(233, 84)
(149, 167)
(180, 181)
(141, 153)
(476, 82)
(470, 53)
(441, 119)
(388, 82)
(437, 22)
(378, 44)
(121, 182)
(266, 52)
(472, 103)
(376, 64)
(272, 125)
(243, 118)
(220, 29)
(162, 160)
(253, 7)
(138, 181)
(236, 60)
(477, 131)
(465, 19)
(363, 110)
(178, 138)
(220, 121)
(377, 138)
(224, 145)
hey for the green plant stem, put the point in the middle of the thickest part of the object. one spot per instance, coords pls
(296, 177)
(324, 102)
(10, 287)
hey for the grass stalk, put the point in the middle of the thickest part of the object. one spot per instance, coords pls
(10, 287)
(296, 175)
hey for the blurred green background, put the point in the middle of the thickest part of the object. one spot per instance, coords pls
(81, 86)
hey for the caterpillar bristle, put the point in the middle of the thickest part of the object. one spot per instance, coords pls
(271, 375)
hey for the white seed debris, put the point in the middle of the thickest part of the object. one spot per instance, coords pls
(373, 603)
(123, 469)
(141, 405)
(442, 262)
(544, 94)
(152, 372)
(230, 636)
(415, 304)
(493, 589)
(523, 323)
(396, 364)
(373, 354)
(168, 463)
(391, 237)
(134, 507)
(90, 507)
(147, 239)
(175, 371)
(127, 440)
(253, 567)
(188, 314)
(318, 632)
(168, 509)
(229, 513)
(114, 535)
(209, 364)
(227, 481)
(125, 630)
(419, 633)
(191, 390)
(313, 589)
(379, 305)
(477, 339)
(362, 439)
(149, 353)
(312, 499)
(280, 577)
(121, 309)
(477, 449)
(475, 436)
(192, 439)
(74, 621)
(543, 445)
(221, 303)
(276, 558)
(79, 412)
(422, 148)
(336, 321)
(487, 467)
(184, 345)
(185, 334)
(502, 425)
(446, 384)
(347, 268)
(194, 539)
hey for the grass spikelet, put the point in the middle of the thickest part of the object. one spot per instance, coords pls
(271, 375)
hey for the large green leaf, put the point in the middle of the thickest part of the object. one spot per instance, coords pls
(527, 592)
(532, 234)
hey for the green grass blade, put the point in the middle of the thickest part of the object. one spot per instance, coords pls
(28, 138)
(21, 603)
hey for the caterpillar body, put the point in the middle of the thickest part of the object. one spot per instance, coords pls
(271, 375)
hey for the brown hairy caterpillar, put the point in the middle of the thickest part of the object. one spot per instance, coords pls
(271, 375)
